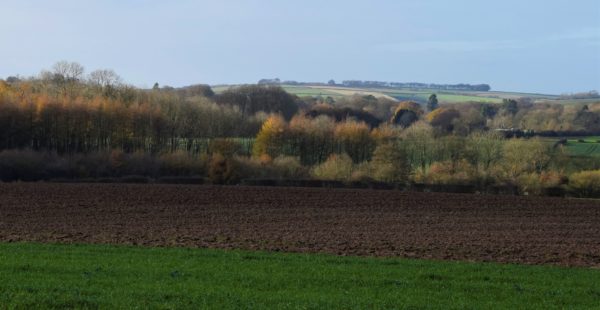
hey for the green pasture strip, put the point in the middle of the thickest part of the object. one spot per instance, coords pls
(117, 277)
(569, 101)
(580, 146)
(221, 88)
(583, 149)
(463, 98)
(443, 98)
(308, 91)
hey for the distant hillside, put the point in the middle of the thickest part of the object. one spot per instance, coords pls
(414, 94)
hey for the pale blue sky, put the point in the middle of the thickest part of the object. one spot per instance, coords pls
(550, 46)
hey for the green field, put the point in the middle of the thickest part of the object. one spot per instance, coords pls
(580, 146)
(580, 149)
(421, 95)
(102, 276)
(302, 91)
(443, 97)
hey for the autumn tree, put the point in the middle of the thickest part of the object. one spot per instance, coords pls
(391, 163)
(484, 149)
(270, 139)
(443, 118)
(353, 138)
(521, 156)
(420, 145)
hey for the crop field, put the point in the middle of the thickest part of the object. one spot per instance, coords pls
(530, 230)
(442, 97)
(400, 94)
(580, 146)
(186, 246)
(590, 149)
(124, 277)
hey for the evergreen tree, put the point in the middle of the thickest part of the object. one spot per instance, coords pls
(432, 103)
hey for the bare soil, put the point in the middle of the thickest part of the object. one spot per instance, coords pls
(510, 229)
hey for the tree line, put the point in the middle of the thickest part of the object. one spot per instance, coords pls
(66, 123)
(66, 111)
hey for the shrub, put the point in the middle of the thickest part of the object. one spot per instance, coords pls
(23, 165)
(536, 183)
(282, 167)
(116, 160)
(447, 172)
(585, 183)
(139, 163)
(336, 167)
(289, 167)
(58, 167)
(182, 163)
(94, 165)
(221, 170)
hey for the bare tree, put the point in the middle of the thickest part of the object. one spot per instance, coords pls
(70, 71)
(104, 78)
(65, 75)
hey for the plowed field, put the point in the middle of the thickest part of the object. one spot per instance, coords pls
(528, 230)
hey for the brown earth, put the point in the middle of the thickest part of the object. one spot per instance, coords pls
(467, 227)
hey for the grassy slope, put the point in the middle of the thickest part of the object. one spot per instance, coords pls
(59, 276)
(421, 95)
(302, 91)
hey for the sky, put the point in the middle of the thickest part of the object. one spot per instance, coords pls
(550, 46)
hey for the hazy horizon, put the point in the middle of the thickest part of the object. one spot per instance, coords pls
(537, 47)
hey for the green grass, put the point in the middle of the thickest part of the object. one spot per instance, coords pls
(92, 276)
(587, 148)
(443, 97)
(302, 91)
(590, 147)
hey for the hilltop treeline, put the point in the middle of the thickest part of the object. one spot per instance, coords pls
(379, 84)
(587, 95)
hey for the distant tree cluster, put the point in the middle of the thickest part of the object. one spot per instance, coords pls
(379, 84)
(275, 81)
(340, 114)
(313, 140)
(587, 95)
(251, 99)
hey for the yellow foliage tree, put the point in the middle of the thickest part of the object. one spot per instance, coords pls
(270, 138)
